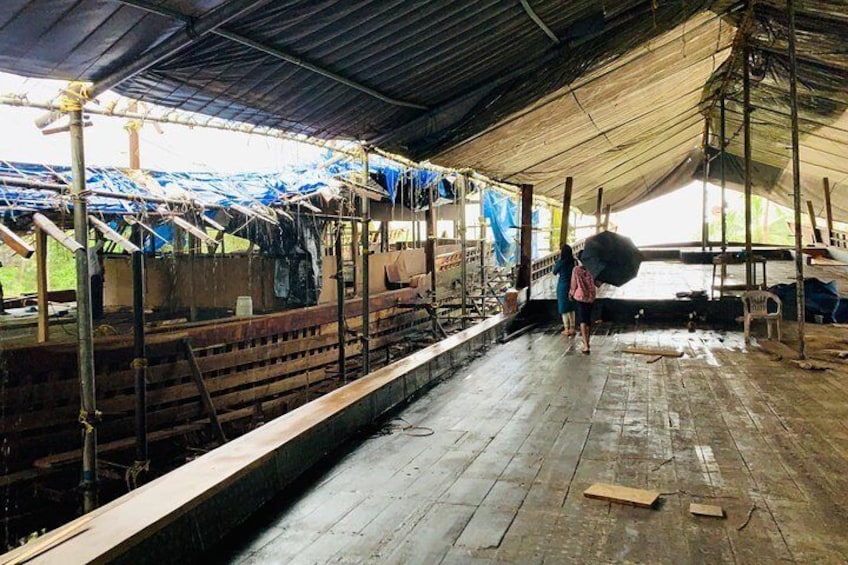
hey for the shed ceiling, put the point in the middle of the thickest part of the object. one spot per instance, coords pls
(618, 100)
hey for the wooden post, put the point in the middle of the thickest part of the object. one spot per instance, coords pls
(817, 238)
(796, 182)
(598, 208)
(41, 283)
(205, 398)
(463, 246)
(139, 363)
(526, 235)
(430, 244)
(607, 212)
(722, 143)
(828, 210)
(746, 128)
(566, 210)
(132, 127)
(340, 299)
(365, 210)
(705, 226)
(483, 246)
(384, 236)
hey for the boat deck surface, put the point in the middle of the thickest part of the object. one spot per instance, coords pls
(491, 465)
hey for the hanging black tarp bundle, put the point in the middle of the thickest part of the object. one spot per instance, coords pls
(296, 245)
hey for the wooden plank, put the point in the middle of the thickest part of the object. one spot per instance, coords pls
(197, 375)
(816, 233)
(653, 351)
(709, 510)
(828, 210)
(566, 210)
(17, 244)
(622, 495)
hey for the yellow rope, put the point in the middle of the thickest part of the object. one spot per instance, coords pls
(75, 96)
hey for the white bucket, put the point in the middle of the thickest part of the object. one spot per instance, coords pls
(244, 306)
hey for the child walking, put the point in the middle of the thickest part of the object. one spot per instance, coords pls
(583, 291)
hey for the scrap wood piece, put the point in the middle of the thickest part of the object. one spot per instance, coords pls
(810, 365)
(654, 359)
(709, 510)
(622, 495)
(47, 542)
(653, 351)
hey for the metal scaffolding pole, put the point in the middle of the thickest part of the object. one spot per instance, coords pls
(366, 271)
(796, 180)
(85, 337)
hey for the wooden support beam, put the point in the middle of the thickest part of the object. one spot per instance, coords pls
(817, 238)
(705, 216)
(17, 244)
(828, 210)
(525, 267)
(746, 134)
(463, 246)
(41, 284)
(599, 205)
(197, 376)
(112, 235)
(800, 301)
(430, 244)
(607, 211)
(340, 297)
(566, 210)
(51, 229)
(194, 231)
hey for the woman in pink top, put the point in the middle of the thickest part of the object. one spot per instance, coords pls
(583, 292)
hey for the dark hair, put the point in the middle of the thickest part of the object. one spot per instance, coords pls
(566, 255)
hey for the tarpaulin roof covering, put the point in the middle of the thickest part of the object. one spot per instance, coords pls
(196, 188)
(611, 93)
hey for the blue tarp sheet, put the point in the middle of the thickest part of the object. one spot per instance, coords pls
(501, 212)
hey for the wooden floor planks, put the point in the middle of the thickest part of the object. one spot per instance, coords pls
(521, 432)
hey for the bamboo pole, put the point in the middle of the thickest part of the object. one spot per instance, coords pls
(89, 416)
(41, 284)
(796, 182)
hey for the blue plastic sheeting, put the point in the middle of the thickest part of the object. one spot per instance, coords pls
(247, 189)
(820, 299)
(501, 212)
(392, 176)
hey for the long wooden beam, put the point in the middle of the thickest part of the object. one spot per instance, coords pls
(15, 242)
(112, 235)
(43, 332)
(828, 210)
(566, 210)
(51, 229)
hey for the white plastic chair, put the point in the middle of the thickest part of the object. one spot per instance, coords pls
(755, 306)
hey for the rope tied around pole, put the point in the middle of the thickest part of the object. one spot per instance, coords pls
(74, 97)
(89, 420)
(139, 363)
